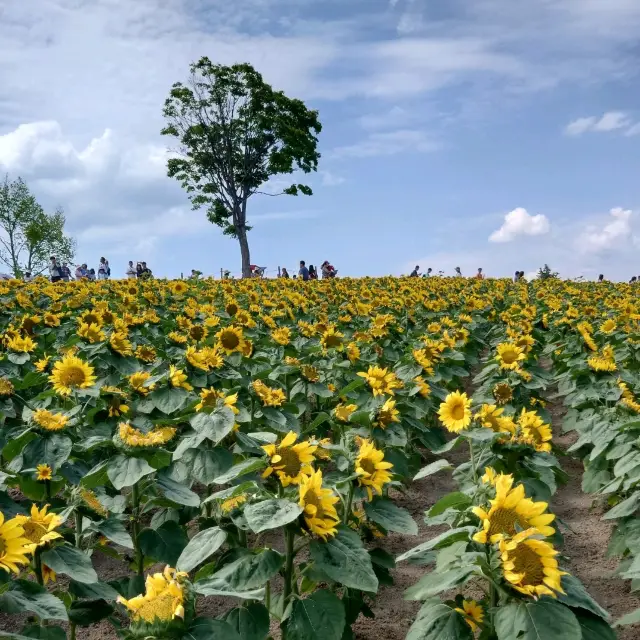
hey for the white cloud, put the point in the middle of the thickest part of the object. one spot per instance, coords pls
(520, 223)
(616, 234)
(331, 179)
(387, 144)
(634, 130)
(609, 121)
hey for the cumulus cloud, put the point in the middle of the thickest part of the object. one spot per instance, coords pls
(520, 223)
(616, 234)
(387, 144)
(609, 121)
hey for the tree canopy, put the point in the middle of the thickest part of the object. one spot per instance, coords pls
(235, 133)
(29, 235)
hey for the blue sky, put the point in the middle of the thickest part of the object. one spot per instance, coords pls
(480, 133)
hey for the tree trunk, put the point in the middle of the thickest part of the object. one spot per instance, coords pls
(244, 251)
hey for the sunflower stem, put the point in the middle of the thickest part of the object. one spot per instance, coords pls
(473, 462)
(38, 566)
(135, 497)
(289, 539)
(347, 509)
(78, 521)
(47, 489)
(267, 596)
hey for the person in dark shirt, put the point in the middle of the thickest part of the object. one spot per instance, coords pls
(313, 274)
(303, 272)
(416, 272)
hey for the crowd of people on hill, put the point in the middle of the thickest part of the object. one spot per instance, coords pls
(62, 272)
(305, 273)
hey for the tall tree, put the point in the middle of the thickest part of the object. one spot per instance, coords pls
(29, 235)
(235, 133)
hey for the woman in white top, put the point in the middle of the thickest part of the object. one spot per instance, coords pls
(131, 271)
(103, 269)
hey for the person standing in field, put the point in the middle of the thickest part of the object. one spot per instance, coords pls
(103, 269)
(131, 270)
(313, 274)
(284, 273)
(479, 275)
(65, 272)
(416, 272)
(54, 270)
(427, 274)
(458, 273)
(303, 272)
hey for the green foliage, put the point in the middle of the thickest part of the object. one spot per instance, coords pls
(235, 133)
(545, 273)
(30, 235)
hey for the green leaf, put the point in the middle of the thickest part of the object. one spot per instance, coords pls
(176, 491)
(250, 621)
(125, 471)
(72, 562)
(321, 418)
(23, 595)
(210, 629)
(244, 578)
(94, 591)
(437, 621)
(87, 612)
(216, 425)
(390, 516)
(625, 508)
(242, 468)
(164, 544)
(432, 468)
(40, 633)
(53, 450)
(344, 559)
(271, 514)
(576, 596)
(455, 500)
(539, 620)
(115, 531)
(435, 582)
(168, 399)
(205, 465)
(321, 616)
(443, 540)
(594, 627)
(200, 547)
(97, 477)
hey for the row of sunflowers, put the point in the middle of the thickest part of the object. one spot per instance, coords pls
(242, 442)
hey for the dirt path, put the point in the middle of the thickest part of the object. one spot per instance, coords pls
(587, 536)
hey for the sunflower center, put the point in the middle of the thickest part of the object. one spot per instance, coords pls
(312, 498)
(34, 531)
(232, 309)
(230, 340)
(91, 318)
(368, 466)
(290, 464)
(160, 607)
(457, 411)
(197, 332)
(504, 521)
(73, 376)
(509, 357)
(528, 562)
(332, 341)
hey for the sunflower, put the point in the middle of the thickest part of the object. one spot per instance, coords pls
(44, 472)
(178, 379)
(381, 380)
(353, 352)
(139, 382)
(71, 373)
(455, 412)
(511, 511)
(309, 372)
(332, 339)
(387, 414)
(422, 358)
(503, 393)
(270, 397)
(530, 566)
(42, 364)
(230, 339)
(133, 437)
(163, 600)
(289, 460)
(489, 417)
(473, 613)
(13, 545)
(120, 343)
(282, 335)
(373, 471)
(231, 504)
(6, 387)
(423, 386)
(39, 527)
(21, 344)
(91, 317)
(534, 431)
(604, 362)
(178, 338)
(48, 574)
(177, 287)
(49, 421)
(509, 355)
(92, 333)
(146, 353)
(608, 326)
(317, 505)
(343, 411)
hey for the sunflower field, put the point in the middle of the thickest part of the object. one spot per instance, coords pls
(227, 459)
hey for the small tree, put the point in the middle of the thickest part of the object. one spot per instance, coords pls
(545, 273)
(235, 133)
(28, 235)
